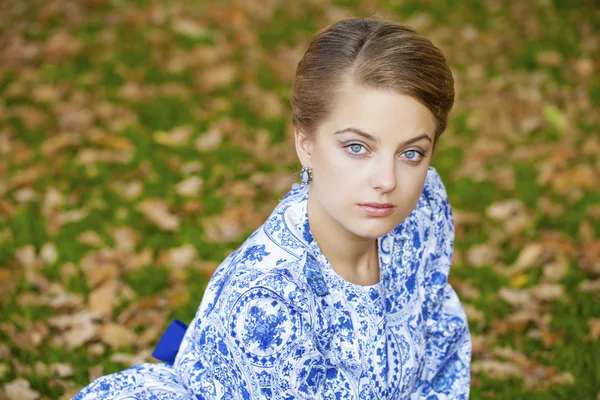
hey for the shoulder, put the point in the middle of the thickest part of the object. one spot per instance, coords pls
(434, 190)
(438, 206)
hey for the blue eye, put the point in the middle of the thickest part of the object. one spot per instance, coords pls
(413, 155)
(355, 148)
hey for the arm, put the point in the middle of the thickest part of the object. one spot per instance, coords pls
(446, 373)
(256, 343)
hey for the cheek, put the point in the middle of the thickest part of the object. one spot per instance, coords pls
(337, 170)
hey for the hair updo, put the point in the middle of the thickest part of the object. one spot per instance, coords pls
(375, 54)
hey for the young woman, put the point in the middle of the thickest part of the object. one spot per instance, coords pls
(342, 293)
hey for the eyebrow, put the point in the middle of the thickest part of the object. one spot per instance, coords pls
(375, 140)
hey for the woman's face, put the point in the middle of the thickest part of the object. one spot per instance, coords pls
(375, 147)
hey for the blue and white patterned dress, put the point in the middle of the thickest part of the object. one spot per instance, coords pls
(277, 322)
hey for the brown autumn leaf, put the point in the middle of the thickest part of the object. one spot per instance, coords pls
(176, 137)
(505, 178)
(102, 299)
(189, 187)
(20, 389)
(62, 301)
(529, 257)
(76, 329)
(129, 190)
(157, 212)
(133, 359)
(587, 285)
(135, 91)
(594, 327)
(210, 140)
(232, 223)
(28, 339)
(495, 369)
(31, 116)
(27, 176)
(126, 238)
(60, 46)
(516, 322)
(187, 27)
(58, 142)
(90, 238)
(179, 257)
(62, 370)
(215, 77)
(48, 253)
(284, 60)
(73, 117)
(177, 296)
(483, 254)
(88, 156)
(116, 336)
(27, 256)
(590, 258)
(114, 142)
(516, 298)
(586, 233)
(547, 291)
(243, 190)
(512, 214)
(556, 269)
(135, 261)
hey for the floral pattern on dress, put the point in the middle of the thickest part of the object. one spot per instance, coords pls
(277, 322)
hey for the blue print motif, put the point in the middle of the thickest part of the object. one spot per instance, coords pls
(256, 253)
(264, 329)
(277, 322)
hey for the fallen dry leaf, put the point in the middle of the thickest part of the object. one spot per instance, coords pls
(20, 389)
(126, 238)
(483, 254)
(90, 238)
(116, 335)
(594, 326)
(77, 328)
(177, 137)
(210, 140)
(178, 258)
(215, 77)
(189, 187)
(62, 370)
(102, 299)
(547, 291)
(133, 359)
(157, 212)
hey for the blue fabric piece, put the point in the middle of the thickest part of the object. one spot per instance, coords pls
(277, 322)
(168, 345)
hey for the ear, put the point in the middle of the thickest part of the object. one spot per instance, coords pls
(304, 148)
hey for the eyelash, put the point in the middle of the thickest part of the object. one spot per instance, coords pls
(422, 154)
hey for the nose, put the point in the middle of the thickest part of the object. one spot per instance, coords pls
(384, 175)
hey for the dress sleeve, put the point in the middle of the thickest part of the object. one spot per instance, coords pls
(256, 343)
(446, 371)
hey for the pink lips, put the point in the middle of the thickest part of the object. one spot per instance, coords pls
(377, 209)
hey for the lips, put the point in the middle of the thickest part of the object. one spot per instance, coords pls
(377, 209)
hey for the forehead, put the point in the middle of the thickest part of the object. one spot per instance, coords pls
(379, 112)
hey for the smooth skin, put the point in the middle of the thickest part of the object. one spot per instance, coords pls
(350, 169)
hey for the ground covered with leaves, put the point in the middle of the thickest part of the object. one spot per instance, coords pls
(142, 141)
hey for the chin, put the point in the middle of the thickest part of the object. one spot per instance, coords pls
(375, 230)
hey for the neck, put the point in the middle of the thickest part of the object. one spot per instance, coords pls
(353, 257)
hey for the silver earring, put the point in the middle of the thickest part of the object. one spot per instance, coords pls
(306, 175)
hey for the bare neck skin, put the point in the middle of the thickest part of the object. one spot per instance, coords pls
(354, 258)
